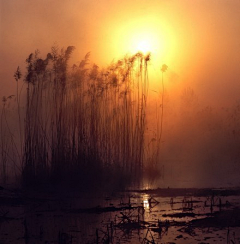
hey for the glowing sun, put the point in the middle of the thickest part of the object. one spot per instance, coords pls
(144, 46)
(145, 42)
(145, 35)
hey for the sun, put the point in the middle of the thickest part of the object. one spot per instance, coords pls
(144, 47)
(144, 42)
(140, 38)
(146, 34)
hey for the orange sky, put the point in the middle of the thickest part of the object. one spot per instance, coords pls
(198, 40)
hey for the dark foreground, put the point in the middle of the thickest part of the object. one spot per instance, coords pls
(146, 216)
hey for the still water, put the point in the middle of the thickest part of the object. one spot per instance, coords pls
(130, 217)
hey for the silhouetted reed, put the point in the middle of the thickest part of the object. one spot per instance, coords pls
(85, 125)
(9, 152)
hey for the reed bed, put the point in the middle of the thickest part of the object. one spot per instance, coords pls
(94, 127)
(85, 125)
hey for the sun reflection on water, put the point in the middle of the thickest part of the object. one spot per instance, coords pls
(146, 201)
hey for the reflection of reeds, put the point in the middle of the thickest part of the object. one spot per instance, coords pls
(88, 125)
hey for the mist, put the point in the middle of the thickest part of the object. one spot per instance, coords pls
(201, 101)
(200, 143)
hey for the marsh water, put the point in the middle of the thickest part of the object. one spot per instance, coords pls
(150, 216)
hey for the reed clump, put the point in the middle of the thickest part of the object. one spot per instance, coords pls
(84, 125)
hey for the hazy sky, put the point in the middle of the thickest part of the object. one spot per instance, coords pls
(198, 39)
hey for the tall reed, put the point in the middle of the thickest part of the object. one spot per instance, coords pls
(85, 125)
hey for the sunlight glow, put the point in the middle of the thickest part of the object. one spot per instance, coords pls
(144, 46)
(146, 35)
(145, 41)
